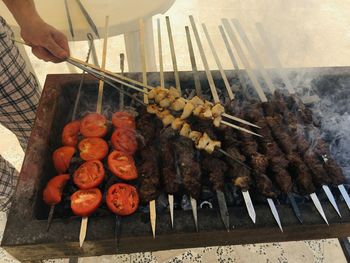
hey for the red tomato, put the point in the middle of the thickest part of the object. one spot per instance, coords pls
(93, 125)
(93, 149)
(122, 119)
(89, 174)
(124, 140)
(122, 165)
(70, 133)
(62, 157)
(122, 199)
(53, 191)
(85, 202)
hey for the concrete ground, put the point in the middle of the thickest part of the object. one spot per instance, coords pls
(309, 33)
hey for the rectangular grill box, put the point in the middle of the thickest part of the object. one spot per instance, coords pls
(25, 235)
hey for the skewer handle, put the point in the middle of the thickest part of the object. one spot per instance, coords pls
(161, 69)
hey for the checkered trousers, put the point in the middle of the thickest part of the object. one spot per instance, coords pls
(19, 97)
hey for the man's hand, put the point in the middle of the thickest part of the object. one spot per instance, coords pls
(47, 43)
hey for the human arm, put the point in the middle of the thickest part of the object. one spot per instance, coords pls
(47, 43)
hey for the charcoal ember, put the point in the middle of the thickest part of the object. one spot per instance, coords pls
(335, 172)
(229, 197)
(319, 174)
(162, 203)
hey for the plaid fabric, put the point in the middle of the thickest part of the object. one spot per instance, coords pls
(19, 97)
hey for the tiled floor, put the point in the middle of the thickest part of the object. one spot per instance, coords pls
(305, 34)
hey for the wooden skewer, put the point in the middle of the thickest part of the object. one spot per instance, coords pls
(103, 65)
(161, 69)
(84, 220)
(152, 203)
(173, 56)
(218, 63)
(244, 60)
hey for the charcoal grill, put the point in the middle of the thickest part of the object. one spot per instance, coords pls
(25, 235)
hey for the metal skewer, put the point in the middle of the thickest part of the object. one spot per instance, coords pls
(244, 60)
(197, 83)
(289, 86)
(178, 86)
(173, 56)
(152, 203)
(260, 93)
(121, 79)
(254, 55)
(275, 59)
(234, 63)
(218, 63)
(313, 196)
(84, 220)
(220, 195)
(69, 18)
(88, 18)
(161, 72)
(331, 198)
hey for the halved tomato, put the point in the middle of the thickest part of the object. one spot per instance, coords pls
(70, 133)
(62, 157)
(85, 202)
(124, 140)
(122, 119)
(122, 165)
(122, 199)
(53, 191)
(93, 125)
(89, 175)
(93, 149)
